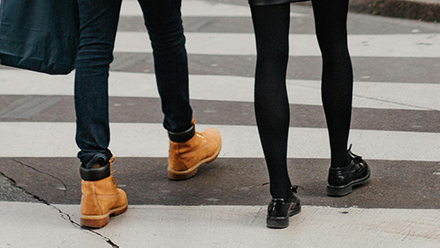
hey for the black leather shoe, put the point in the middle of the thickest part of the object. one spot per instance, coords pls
(341, 180)
(279, 210)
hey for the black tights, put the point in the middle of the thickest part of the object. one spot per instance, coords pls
(271, 25)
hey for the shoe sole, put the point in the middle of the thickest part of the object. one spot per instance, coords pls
(346, 189)
(98, 221)
(282, 222)
(186, 174)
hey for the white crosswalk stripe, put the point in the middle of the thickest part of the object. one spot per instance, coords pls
(403, 45)
(23, 139)
(380, 95)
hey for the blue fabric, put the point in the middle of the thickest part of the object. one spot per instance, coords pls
(39, 35)
(98, 25)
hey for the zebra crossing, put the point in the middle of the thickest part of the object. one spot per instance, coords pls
(407, 45)
(395, 127)
(376, 95)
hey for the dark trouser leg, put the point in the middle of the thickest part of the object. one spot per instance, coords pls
(164, 23)
(98, 24)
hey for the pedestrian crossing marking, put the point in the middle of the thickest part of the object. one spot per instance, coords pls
(360, 45)
(55, 139)
(381, 95)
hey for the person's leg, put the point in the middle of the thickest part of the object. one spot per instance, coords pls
(337, 75)
(98, 24)
(271, 25)
(188, 149)
(347, 169)
(164, 23)
(100, 196)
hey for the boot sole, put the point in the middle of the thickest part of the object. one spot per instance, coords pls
(346, 189)
(98, 221)
(186, 174)
(282, 222)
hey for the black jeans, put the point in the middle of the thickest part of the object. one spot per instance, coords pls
(98, 26)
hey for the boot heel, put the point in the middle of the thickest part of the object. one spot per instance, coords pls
(295, 210)
(279, 210)
(98, 221)
(277, 222)
(282, 222)
(94, 223)
(333, 191)
(177, 175)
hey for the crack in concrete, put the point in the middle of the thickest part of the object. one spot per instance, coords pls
(64, 215)
(42, 172)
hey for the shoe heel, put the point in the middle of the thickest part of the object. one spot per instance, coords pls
(277, 222)
(94, 223)
(332, 191)
(181, 176)
(99, 221)
(295, 210)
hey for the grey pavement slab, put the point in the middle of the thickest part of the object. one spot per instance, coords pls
(39, 225)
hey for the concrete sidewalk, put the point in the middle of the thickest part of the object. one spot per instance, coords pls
(425, 10)
(41, 225)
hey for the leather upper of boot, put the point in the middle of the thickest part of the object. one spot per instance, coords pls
(184, 155)
(98, 197)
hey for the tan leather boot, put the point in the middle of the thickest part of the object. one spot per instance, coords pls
(100, 196)
(185, 157)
